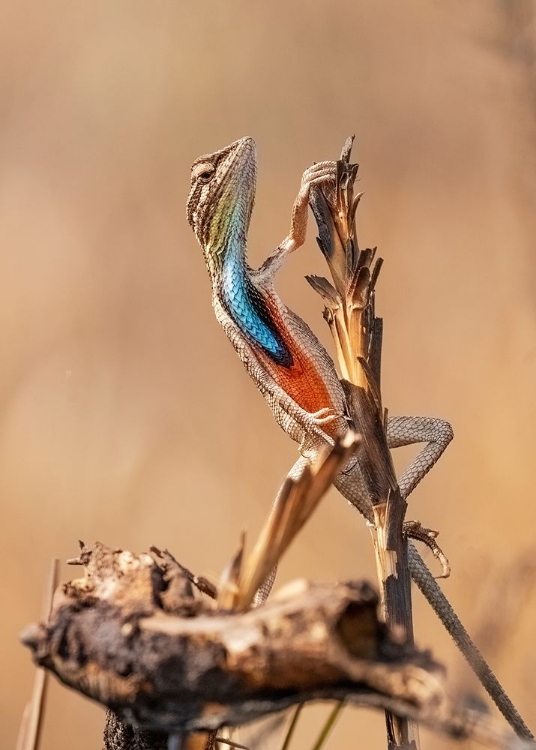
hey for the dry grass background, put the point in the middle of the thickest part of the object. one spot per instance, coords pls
(125, 414)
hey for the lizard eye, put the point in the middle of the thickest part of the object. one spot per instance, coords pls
(204, 173)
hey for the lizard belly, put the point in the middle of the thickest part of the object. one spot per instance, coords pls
(285, 347)
(303, 381)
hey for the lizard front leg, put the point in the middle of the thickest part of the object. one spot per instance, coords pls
(318, 174)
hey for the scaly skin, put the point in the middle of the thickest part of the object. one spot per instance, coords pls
(285, 359)
(291, 368)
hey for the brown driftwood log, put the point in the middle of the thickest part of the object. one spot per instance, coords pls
(133, 635)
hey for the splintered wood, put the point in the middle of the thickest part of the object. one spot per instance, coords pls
(136, 634)
(133, 635)
(357, 334)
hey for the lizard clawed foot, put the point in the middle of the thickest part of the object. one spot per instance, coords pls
(321, 171)
(325, 415)
(313, 427)
(415, 530)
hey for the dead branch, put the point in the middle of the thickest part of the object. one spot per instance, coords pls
(133, 635)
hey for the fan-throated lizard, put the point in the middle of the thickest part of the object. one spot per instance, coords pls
(290, 367)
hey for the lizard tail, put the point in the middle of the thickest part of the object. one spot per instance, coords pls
(441, 606)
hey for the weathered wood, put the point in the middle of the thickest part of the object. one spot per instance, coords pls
(134, 635)
(119, 735)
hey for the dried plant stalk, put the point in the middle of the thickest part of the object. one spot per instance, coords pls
(357, 334)
(32, 718)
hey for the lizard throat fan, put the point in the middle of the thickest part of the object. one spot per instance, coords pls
(219, 210)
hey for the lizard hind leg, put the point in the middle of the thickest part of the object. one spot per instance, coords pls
(436, 433)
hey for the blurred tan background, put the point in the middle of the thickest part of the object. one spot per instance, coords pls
(125, 414)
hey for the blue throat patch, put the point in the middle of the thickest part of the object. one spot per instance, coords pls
(248, 309)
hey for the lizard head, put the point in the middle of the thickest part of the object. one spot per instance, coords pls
(221, 198)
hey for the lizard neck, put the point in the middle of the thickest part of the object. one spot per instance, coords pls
(246, 304)
(219, 210)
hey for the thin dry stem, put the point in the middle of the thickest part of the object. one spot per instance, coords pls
(350, 314)
(32, 717)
